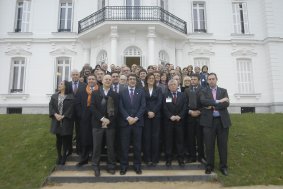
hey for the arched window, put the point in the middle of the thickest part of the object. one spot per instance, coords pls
(163, 57)
(101, 57)
(132, 51)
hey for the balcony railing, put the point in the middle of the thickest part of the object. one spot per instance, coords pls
(132, 13)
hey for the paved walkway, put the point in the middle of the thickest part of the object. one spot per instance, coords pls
(154, 185)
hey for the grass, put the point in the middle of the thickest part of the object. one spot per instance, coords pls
(27, 150)
(255, 150)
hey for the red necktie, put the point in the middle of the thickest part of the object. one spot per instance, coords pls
(174, 98)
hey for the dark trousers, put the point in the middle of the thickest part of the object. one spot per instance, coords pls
(98, 134)
(174, 134)
(210, 135)
(151, 133)
(77, 138)
(195, 138)
(125, 135)
(62, 145)
(85, 151)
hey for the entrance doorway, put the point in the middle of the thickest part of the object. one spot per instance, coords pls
(132, 60)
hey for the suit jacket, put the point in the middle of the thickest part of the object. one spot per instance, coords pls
(84, 116)
(208, 102)
(193, 97)
(81, 87)
(171, 109)
(66, 126)
(99, 110)
(135, 109)
(120, 87)
(203, 79)
(153, 102)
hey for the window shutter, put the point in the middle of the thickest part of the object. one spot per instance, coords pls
(236, 18)
(26, 16)
(246, 20)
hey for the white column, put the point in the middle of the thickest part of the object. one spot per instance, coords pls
(86, 55)
(114, 38)
(151, 45)
(179, 57)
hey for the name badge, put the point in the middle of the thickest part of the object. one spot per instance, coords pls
(168, 100)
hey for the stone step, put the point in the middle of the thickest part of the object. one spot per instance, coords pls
(71, 166)
(60, 176)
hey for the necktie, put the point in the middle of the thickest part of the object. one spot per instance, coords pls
(75, 87)
(214, 93)
(132, 95)
(115, 88)
(174, 98)
(91, 88)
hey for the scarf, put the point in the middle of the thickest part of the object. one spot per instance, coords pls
(89, 92)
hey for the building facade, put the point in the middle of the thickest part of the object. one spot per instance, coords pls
(240, 40)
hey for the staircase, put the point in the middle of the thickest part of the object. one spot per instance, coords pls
(70, 173)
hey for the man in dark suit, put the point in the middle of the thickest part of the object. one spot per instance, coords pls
(116, 86)
(104, 106)
(84, 114)
(216, 121)
(194, 130)
(76, 86)
(174, 108)
(132, 108)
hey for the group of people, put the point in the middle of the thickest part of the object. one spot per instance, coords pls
(179, 113)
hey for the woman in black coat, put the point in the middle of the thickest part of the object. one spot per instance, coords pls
(61, 108)
(151, 130)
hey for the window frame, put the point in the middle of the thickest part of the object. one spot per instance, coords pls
(240, 18)
(66, 76)
(25, 18)
(21, 75)
(65, 28)
(102, 57)
(202, 61)
(245, 79)
(198, 30)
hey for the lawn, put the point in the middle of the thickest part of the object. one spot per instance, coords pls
(27, 151)
(255, 150)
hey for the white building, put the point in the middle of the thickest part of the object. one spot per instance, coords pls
(240, 40)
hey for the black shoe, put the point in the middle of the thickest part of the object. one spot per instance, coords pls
(191, 160)
(96, 172)
(63, 160)
(81, 163)
(138, 171)
(168, 163)
(224, 171)
(181, 163)
(123, 171)
(111, 171)
(208, 170)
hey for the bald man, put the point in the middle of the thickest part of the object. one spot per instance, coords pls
(104, 107)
